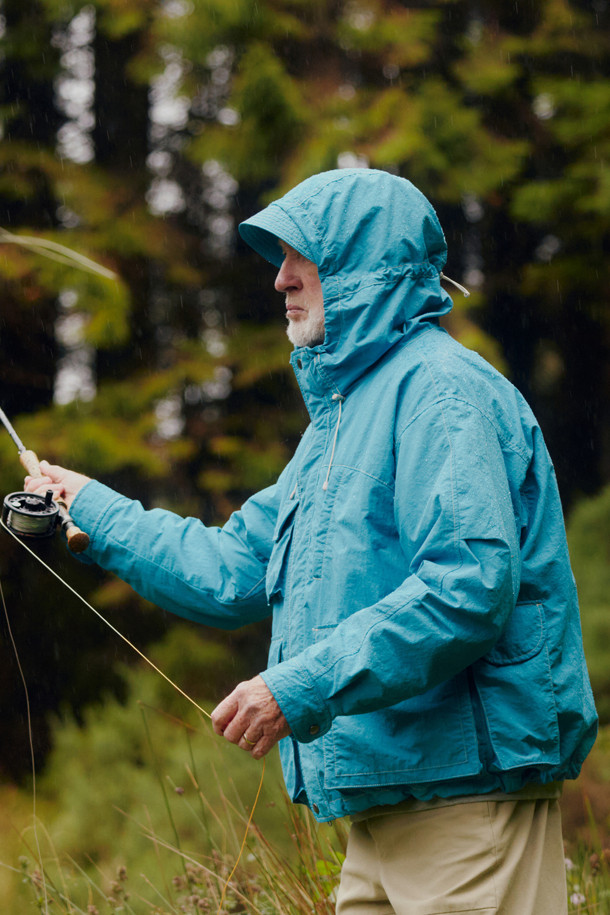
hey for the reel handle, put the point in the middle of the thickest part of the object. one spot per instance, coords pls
(77, 540)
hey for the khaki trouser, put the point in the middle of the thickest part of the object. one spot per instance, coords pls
(483, 858)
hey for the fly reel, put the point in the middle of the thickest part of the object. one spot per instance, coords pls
(30, 515)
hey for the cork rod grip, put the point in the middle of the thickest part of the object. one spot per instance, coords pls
(77, 540)
(31, 463)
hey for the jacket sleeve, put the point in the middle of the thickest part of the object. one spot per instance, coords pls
(212, 575)
(456, 524)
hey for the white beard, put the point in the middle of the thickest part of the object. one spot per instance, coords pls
(307, 332)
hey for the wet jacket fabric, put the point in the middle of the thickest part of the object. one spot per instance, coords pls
(426, 638)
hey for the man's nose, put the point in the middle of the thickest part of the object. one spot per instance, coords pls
(286, 279)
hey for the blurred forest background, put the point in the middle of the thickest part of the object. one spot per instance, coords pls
(139, 133)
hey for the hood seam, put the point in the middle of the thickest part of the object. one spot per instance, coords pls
(415, 271)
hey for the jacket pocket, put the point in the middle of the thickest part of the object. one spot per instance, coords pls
(423, 739)
(522, 639)
(515, 686)
(275, 582)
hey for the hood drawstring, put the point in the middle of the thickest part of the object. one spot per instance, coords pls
(340, 398)
(456, 284)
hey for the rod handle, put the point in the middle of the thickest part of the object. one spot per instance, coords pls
(77, 540)
(31, 463)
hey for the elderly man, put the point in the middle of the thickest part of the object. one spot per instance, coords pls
(426, 670)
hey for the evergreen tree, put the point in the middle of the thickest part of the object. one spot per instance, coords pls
(141, 133)
(497, 112)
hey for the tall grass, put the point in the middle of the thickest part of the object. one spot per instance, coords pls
(143, 810)
(287, 878)
(297, 877)
(588, 883)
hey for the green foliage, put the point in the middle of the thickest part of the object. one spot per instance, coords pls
(447, 146)
(115, 432)
(271, 117)
(114, 17)
(403, 37)
(487, 67)
(507, 110)
(143, 804)
(588, 883)
(117, 19)
(462, 324)
(578, 126)
(259, 353)
(501, 116)
(282, 88)
(22, 168)
(99, 771)
(589, 538)
(185, 807)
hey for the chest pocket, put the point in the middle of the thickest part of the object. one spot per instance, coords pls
(278, 560)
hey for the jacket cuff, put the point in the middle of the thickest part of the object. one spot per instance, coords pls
(298, 698)
(89, 507)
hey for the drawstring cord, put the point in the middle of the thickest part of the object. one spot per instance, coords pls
(340, 398)
(457, 285)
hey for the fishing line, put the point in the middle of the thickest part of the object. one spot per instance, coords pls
(31, 739)
(107, 622)
(154, 667)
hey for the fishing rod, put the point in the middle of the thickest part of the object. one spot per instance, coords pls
(32, 515)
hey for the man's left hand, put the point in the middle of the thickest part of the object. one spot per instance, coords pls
(251, 718)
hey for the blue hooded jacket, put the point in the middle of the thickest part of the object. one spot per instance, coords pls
(426, 637)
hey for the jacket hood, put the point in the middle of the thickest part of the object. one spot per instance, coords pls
(379, 249)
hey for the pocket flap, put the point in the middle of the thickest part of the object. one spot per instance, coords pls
(276, 567)
(522, 638)
(284, 516)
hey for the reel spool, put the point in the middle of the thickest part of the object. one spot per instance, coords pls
(30, 515)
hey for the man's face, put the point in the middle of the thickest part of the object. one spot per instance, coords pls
(299, 281)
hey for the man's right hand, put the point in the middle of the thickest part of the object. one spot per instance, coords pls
(63, 483)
